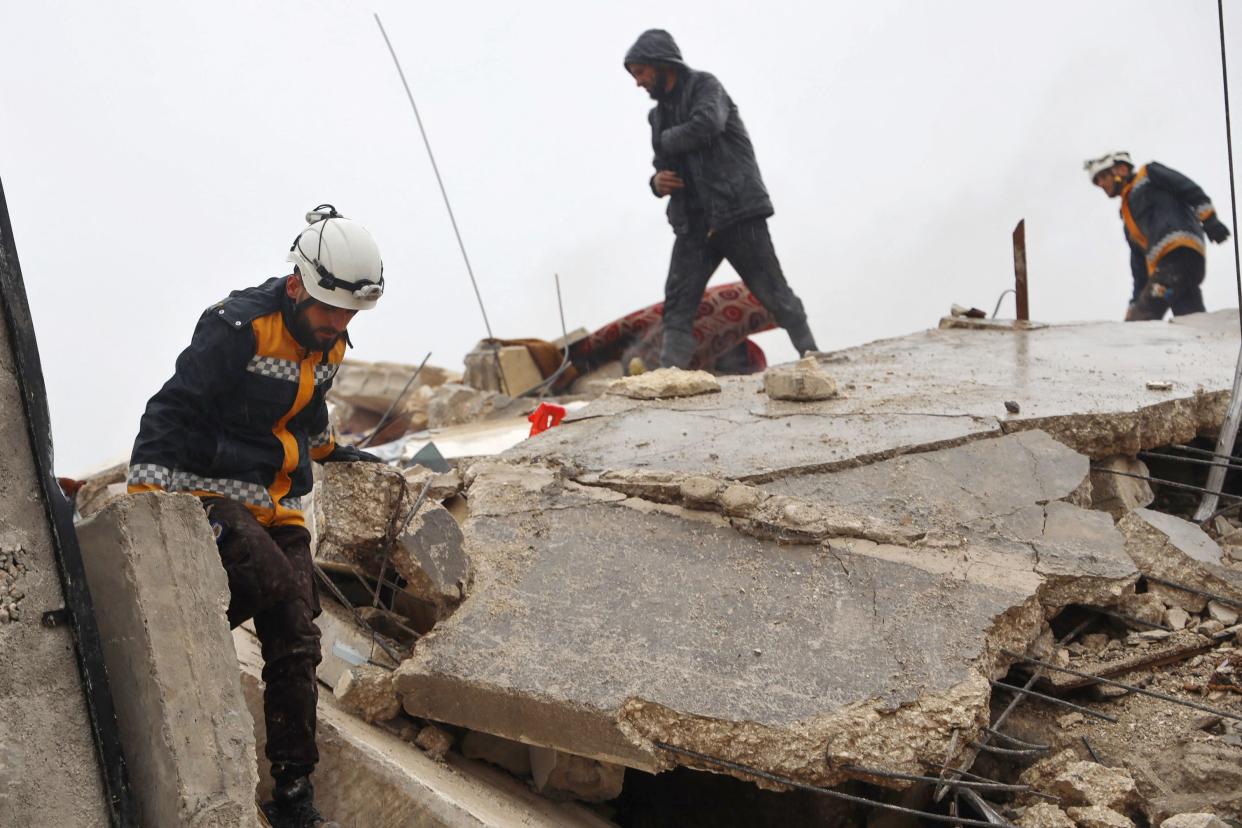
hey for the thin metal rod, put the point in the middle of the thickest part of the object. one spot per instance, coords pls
(1000, 299)
(1222, 599)
(1233, 196)
(986, 748)
(555, 375)
(1131, 687)
(1054, 700)
(969, 775)
(384, 420)
(1095, 757)
(983, 807)
(376, 638)
(793, 783)
(1172, 483)
(1194, 461)
(1129, 619)
(910, 777)
(1014, 740)
(418, 504)
(1203, 452)
(435, 167)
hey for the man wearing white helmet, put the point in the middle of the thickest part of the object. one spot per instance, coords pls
(238, 425)
(1166, 216)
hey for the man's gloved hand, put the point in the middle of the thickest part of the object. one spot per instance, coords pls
(350, 454)
(1215, 229)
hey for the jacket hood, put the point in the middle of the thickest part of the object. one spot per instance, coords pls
(654, 46)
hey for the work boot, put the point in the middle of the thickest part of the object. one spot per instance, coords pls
(802, 338)
(293, 806)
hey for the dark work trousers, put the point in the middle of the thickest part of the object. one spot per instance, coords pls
(272, 580)
(696, 255)
(1180, 273)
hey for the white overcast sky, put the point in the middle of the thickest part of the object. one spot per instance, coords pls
(156, 155)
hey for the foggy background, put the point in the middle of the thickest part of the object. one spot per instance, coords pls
(157, 155)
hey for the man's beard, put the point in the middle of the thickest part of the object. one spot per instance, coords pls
(313, 339)
(660, 89)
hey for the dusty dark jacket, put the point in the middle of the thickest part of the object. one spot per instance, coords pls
(1162, 210)
(244, 413)
(697, 133)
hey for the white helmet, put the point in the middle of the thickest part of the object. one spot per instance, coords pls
(1098, 165)
(338, 260)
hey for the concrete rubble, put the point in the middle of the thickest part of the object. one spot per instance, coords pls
(665, 383)
(156, 578)
(803, 380)
(692, 571)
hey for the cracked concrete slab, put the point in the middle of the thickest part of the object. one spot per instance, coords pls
(801, 586)
(925, 391)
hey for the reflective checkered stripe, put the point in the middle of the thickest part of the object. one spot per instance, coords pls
(175, 480)
(285, 369)
(324, 372)
(321, 439)
(1172, 241)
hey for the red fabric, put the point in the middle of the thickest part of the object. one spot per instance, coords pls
(728, 315)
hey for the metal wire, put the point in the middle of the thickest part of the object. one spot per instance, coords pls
(384, 420)
(435, 168)
(1233, 197)
(1221, 598)
(1192, 460)
(1131, 687)
(793, 783)
(986, 748)
(1015, 740)
(1173, 483)
(1000, 299)
(376, 638)
(910, 777)
(1026, 691)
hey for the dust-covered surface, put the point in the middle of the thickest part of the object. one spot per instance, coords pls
(40, 687)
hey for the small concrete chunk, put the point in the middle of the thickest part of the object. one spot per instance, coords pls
(443, 486)
(160, 595)
(1089, 783)
(355, 505)
(1222, 613)
(589, 780)
(435, 741)
(368, 691)
(1115, 493)
(1177, 618)
(664, 383)
(804, 380)
(430, 557)
(1097, 816)
(1194, 821)
(1044, 815)
(506, 753)
(1040, 775)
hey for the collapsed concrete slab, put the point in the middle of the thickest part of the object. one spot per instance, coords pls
(803, 587)
(367, 777)
(1167, 548)
(161, 595)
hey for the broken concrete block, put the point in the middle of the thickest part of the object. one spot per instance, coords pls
(1090, 783)
(454, 404)
(1044, 815)
(430, 557)
(1115, 493)
(1170, 549)
(1145, 606)
(578, 777)
(1177, 618)
(1194, 821)
(1097, 816)
(356, 506)
(1040, 775)
(512, 756)
(802, 381)
(443, 485)
(160, 598)
(1226, 615)
(368, 691)
(435, 741)
(664, 383)
(100, 489)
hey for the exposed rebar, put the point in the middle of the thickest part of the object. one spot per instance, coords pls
(1194, 461)
(1172, 483)
(986, 748)
(1026, 691)
(1014, 740)
(794, 783)
(376, 638)
(1131, 687)
(1203, 592)
(384, 420)
(911, 777)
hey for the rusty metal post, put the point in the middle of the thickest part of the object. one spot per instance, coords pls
(1019, 271)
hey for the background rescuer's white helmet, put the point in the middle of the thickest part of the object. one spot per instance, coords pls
(1098, 165)
(339, 260)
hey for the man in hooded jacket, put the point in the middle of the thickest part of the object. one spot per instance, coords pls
(718, 206)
